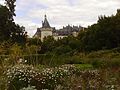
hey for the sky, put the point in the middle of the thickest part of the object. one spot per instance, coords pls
(30, 13)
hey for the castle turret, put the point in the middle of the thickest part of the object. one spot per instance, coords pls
(46, 30)
(45, 23)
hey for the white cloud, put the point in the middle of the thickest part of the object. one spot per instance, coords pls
(2, 2)
(62, 12)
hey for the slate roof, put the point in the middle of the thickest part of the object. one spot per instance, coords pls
(45, 23)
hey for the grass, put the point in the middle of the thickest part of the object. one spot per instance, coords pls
(84, 66)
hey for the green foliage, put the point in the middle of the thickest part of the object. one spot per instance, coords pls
(4, 21)
(83, 66)
(67, 45)
(4, 47)
(103, 35)
(99, 59)
(72, 59)
(32, 49)
(16, 50)
(18, 34)
(62, 50)
(15, 53)
(34, 41)
(8, 29)
(108, 54)
(48, 44)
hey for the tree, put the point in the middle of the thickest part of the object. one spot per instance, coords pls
(105, 34)
(8, 29)
(4, 23)
(18, 34)
(48, 44)
(11, 6)
(34, 41)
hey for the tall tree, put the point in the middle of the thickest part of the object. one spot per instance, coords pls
(8, 29)
(4, 23)
(11, 6)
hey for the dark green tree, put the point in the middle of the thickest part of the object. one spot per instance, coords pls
(48, 44)
(11, 6)
(105, 34)
(4, 23)
(8, 29)
(34, 41)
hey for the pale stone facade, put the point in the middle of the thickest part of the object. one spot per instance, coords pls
(45, 32)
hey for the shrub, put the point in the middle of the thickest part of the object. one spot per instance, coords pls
(83, 66)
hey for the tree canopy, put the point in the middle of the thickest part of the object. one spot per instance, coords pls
(9, 30)
(105, 34)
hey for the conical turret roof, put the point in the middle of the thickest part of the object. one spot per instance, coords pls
(45, 23)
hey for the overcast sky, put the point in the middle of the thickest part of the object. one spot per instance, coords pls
(30, 13)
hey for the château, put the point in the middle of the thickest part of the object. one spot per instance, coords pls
(46, 30)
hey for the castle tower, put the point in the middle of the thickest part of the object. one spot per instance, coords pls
(46, 30)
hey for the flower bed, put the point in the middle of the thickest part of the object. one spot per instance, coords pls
(63, 77)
